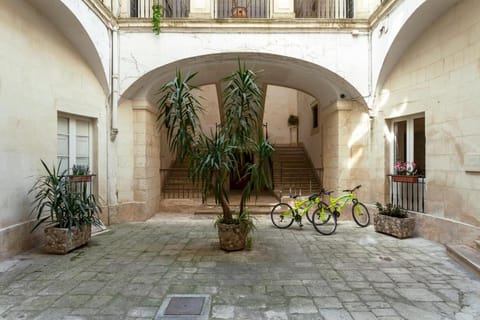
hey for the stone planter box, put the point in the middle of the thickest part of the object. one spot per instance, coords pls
(397, 227)
(232, 237)
(63, 240)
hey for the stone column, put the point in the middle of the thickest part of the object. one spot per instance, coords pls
(283, 9)
(146, 162)
(202, 9)
(346, 134)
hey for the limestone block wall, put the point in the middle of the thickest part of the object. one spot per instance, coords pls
(42, 74)
(346, 144)
(440, 76)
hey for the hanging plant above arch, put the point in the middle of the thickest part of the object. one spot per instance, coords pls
(157, 13)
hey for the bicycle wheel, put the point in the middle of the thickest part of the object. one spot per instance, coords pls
(360, 214)
(282, 215)
(323, 220)
(308, 212)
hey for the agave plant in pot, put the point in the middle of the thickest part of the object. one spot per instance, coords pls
(213, 158)
(67, 207)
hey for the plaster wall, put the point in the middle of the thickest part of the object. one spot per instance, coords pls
(440, 76)
(33, 88)
(310, 137)
(208, 98)
(280, 103)
(339, 52)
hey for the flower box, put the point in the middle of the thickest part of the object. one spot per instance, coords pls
(64, 240)
(82, 178)
(405, 178)
(397, 227)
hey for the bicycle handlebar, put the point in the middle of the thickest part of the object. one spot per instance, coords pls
(352, 190)
(310, 198)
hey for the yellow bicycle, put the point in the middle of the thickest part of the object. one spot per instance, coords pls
(322, 215)
(283, 214)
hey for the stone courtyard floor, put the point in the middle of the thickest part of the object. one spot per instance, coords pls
(128, 272)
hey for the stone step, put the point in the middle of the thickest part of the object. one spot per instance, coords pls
(466, 256)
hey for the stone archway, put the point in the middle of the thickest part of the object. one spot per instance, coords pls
(335, 96)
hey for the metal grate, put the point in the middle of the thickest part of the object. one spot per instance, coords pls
(185, 306)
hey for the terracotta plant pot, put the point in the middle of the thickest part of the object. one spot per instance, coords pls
(232, 236)
(403, 178)
(86, 178)
(397, 227)
(63, 240)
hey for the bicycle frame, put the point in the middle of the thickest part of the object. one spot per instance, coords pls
(338, 203)
(301, 207)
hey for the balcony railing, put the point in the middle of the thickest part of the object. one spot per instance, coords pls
(256, 9)
(409, 195)
(242, 9)
(171, 8)
(325, 9)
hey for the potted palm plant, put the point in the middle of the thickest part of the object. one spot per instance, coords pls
(213, 158)
(66, 206)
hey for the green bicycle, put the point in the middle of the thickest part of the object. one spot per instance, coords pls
(322, 215)
(283, 215)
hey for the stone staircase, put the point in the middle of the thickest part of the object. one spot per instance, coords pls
(468, 256)
(177, 184)
(293, 172)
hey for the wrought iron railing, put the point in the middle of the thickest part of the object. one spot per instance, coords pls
(256, 9)
(177, 185)
(325, 9)
(242, 9)
(171, 8)
(408, 194)
(297, 180)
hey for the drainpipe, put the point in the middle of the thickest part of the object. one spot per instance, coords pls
(115, 95)
(113, 101)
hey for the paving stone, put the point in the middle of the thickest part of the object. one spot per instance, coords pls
(337, 314)
(223, 311)
(302, 305)
(418, 294)
(289, 274)
(363, 316)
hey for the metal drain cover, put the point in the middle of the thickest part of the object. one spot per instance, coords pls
(185, 306)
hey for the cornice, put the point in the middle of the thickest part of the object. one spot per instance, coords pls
(307, 25)
(249, 25)
(103, 13)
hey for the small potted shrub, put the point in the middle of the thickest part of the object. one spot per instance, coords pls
(69, 211)
(293, 120)
(393, 220)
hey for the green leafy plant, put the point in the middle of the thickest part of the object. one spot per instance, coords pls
(80, 170)
(391, 210)
(293, 120)
(59, 202)
(213, 159)
(157, 13)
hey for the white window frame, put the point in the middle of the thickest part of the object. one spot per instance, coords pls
(410, 138)
(72, 138)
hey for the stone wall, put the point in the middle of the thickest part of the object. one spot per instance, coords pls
(42, 74)
(439, 76)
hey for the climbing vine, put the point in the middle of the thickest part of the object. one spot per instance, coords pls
(156, 16)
